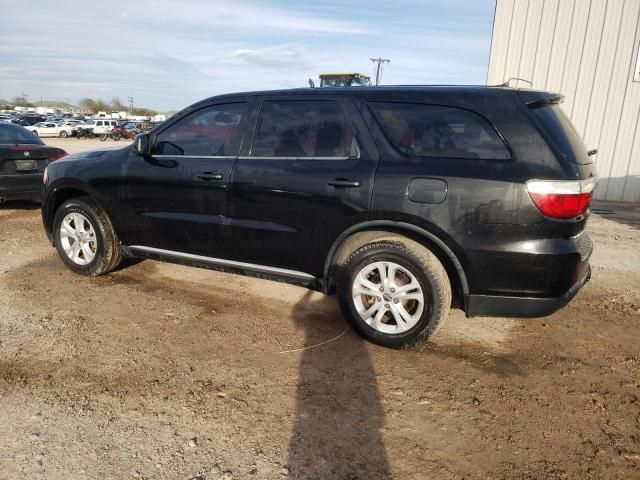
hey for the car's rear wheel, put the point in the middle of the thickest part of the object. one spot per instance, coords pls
(84, 237)
(63, 134)
(394, 293)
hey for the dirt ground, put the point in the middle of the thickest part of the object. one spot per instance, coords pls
(162, 371)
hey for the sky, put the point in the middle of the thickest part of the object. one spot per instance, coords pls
(169, 54)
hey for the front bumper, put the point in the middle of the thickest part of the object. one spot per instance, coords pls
(506, 306)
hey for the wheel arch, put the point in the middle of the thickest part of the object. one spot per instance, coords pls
(61, 193)
(367, 232)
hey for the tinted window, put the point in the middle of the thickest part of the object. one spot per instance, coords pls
(437, 131)
(213, 131)
(303, 129)
(11, 134)
(561, 133)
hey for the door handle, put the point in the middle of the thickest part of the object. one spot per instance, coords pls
(207, 176)
(343, 183)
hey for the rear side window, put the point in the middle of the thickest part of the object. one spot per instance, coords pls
(303, 129)
(212, 131)
(439, 131)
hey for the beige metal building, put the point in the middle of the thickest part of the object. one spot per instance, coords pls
(587, 50)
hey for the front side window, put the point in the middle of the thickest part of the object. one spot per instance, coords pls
(439, 131)
(213, 131)
(301, 128)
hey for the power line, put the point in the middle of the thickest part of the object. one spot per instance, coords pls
(379, 61)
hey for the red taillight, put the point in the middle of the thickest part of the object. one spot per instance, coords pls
(58, 155)
(561, 198)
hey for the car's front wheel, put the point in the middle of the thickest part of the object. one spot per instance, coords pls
(63, 134)
(394, 293)
(84, 237)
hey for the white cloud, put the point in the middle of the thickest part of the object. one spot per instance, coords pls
(274, 57)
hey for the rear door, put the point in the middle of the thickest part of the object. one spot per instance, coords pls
(305, 178)
(177, 199)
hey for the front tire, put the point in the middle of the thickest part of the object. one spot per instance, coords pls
(63, 134)
(395, 293)
(84, 237)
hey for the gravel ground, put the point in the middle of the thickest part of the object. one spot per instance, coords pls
(164, 371)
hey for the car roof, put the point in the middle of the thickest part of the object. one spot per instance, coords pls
(380, 91)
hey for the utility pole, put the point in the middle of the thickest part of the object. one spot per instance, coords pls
(24, 99)
(130, 104)
(379, 61)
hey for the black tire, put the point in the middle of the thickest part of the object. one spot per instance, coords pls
(103, 137)
(108, 249)
(34, 132)
(63, 134)
(430, 274)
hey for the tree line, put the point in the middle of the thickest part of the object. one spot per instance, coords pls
(90, 105)
(98, 105)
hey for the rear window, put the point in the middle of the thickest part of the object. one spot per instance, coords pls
(17, 135)
(439, 131)
(561, 134)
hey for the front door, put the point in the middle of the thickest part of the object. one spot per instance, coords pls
(306, 177)
(176, 199)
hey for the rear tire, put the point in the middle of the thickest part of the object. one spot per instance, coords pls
(407, 294)
(63, 134)
(103, 137)
(84, 237)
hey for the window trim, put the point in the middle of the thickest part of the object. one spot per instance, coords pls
(326, 100)
(187, 113)
(393, 145)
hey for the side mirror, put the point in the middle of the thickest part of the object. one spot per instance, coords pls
(142, 145)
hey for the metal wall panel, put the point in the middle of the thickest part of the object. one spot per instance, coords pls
(587, 50)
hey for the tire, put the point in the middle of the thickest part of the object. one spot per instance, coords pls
(103, 137)
(106, 248)
(34, 132)
(116, 137)
(63, 134)
(415, 265)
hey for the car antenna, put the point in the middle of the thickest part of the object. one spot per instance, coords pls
(506, 84)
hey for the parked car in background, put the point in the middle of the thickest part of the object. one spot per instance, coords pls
(50, 129)
(100, 126)
(395, 198)
(23, 159)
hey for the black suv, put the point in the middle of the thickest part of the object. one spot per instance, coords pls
(399, 199)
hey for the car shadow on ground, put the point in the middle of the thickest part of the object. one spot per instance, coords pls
(19, 205)
(339, 415)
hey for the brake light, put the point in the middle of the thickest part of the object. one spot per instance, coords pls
(58, 155)
(562, 198)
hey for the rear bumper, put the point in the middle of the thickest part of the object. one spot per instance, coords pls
(505, 306)
(26, 186)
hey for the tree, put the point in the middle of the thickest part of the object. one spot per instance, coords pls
(145, 112)
(117, 106)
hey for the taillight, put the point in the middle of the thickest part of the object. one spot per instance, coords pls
(561, 198)
(58, 155)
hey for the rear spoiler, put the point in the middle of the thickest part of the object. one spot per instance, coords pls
(540, 99)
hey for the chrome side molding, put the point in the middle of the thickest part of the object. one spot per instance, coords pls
(222, 262)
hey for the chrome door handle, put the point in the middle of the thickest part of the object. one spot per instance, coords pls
(343, 183)
(209, 176)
